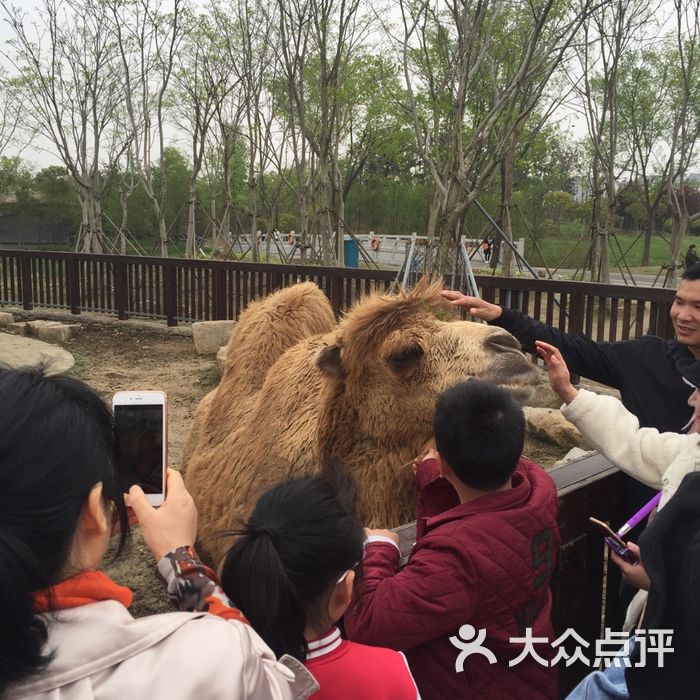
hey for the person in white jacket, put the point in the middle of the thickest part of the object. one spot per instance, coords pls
(660, 460)
(66, 632)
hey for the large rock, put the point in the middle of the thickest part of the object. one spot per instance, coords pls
(18, 351)
(209, 336)
(50, 331)
(548, 424)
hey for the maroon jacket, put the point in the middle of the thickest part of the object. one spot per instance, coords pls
(486, 563)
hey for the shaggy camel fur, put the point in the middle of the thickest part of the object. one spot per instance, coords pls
(266, 329)
(361, 395)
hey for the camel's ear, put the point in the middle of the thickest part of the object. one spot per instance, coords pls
(329, 362)
(405, 359)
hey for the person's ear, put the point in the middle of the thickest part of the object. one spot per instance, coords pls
(341, 597)
(94, 516)
(443, 467)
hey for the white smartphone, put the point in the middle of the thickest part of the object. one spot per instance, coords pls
(141, 432)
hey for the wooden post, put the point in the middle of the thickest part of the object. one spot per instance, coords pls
(73, 271)
(121, 295)
(25, 273)
(219, 295)
(170, 291)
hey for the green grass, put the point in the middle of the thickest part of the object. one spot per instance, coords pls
(569, 250)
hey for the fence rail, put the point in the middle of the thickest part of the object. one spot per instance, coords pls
(199, 290)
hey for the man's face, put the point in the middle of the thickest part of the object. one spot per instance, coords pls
(685, 314)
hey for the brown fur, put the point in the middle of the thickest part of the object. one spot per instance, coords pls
(266, 329)
(361, 395)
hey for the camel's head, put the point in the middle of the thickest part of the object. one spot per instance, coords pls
(392, 355)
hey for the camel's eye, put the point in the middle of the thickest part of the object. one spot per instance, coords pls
(404, 359)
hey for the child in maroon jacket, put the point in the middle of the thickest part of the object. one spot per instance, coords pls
(478, 577)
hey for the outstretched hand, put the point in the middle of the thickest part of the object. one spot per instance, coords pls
(484, 310)
(559, 377)
(172, 525)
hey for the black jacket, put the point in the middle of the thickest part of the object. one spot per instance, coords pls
(670, 549)
(643, 370)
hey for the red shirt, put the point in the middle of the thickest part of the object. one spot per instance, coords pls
(349, 671)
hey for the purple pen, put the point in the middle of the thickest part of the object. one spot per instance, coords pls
(640, 515)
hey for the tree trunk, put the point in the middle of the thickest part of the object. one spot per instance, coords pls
(325, 228)
(679, 228)
(648, 230)
(253, 214)
(124, 201)
(191, 245)
(163, 235)
(504, 220)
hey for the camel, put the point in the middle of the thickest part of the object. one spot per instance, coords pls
(300, 393)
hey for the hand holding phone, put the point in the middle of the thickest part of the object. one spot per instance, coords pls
(140, 429)
(172, 526)
(615, 542)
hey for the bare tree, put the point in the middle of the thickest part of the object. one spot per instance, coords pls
(610, 35)
(685, 124)
(204, 79)
(645, 117)
(465, 105)
(64, 59)
(331, 31)
(12, 109)
(148, 38)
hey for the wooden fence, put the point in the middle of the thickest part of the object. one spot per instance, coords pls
(180, 290)
(191, 290)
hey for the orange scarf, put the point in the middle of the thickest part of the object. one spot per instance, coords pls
(82, 589)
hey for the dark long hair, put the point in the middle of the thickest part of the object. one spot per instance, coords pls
(56, 443)
(300, 538)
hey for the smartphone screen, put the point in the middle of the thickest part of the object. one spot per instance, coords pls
(139, 437)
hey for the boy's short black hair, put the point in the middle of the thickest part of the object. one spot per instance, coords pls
(479, 431)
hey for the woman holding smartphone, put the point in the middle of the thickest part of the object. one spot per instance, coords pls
(66, 631)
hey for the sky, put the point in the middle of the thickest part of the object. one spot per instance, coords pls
(42, 153)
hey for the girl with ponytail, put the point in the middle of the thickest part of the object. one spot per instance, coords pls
(292, 573)
(66, 631)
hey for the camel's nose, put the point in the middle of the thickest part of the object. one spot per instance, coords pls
(501, 341)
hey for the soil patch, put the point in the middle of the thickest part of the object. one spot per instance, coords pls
(114, 359)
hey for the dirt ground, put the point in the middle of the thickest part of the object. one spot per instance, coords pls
(114, 359)
(118, 359)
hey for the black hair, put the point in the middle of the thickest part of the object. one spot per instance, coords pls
(479, 431)
(692, 273)
(300, 538)
(56, 444)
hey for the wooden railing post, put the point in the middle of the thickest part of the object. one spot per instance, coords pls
(576, 312)
(25, 273)
(170, 291)
(121, 295)
(218, 301)
(73, 272)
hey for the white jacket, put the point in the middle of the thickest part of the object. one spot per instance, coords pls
(660, 460)
(102, 652)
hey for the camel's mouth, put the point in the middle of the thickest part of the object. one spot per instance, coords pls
(515, 374)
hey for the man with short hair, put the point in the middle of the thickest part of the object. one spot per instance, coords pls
(691, 257)
(478, 576)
